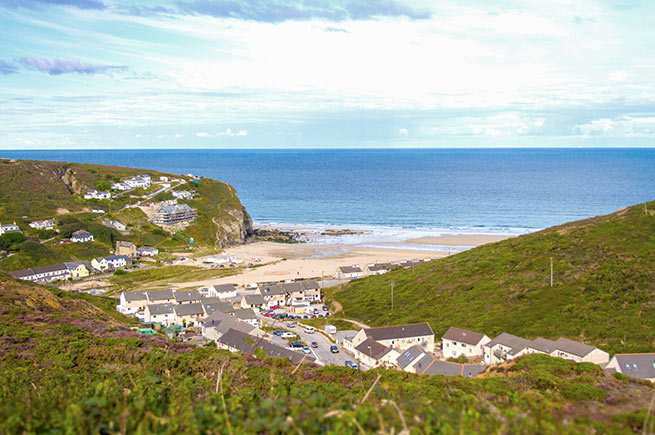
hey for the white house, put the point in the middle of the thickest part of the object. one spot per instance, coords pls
(115, 224)
(579, 352)
(94, 194)
(350, 272)
(112, 262)
(160, 313)
(81, 236)
(9, 228)
(147, 251)
(44, 273)
(132, 302)
(222, 291)
(635, 365)
(48, 224)
(120, 186)
(182, 194)
(138, 181)
(457, 342)
(399, 337)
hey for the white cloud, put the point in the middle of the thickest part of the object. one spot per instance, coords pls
(621, 126)
(179, 135)
(228, 132)
(202, 134)
(403, 132)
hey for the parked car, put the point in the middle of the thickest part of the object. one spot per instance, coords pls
(269, 313)
(296, 344)
(334, 348)
(287, 334)
(310, 329)
(274, 307)
(277, 332)
(305, 316)
(352, 365)
(306, 349)
(325, 308)
(291, 325)
(314, 344)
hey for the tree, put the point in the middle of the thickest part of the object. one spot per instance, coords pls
(103, 185)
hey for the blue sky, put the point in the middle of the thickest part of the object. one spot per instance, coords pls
(321, 73)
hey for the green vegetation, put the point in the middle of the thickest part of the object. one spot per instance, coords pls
(603, 292)
(34, 254)
(67, 366)
(162, 276)
(11, 241)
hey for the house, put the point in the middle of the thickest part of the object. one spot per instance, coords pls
(182, 194)
(79, 269)
(274, 295)
(115, 225)
(505, 347)
(430, 365)
(222, 291)
(407, 359)
(9, 228)
(247, 315)
(379, 269)
(112, 262)
(137, 181)
(44, 273)
(81, 236)
(375, 354)
(147, 251)
(132, 302)
(253, 301)
(127, 249)
(120, 186)
(635, 365)
(160, 297)
(189, 314)
(312, 290)
(98, 211)
(211, 306)
(579, 352)
(217, 324)
(48, 224)
(188, 297)
(399, 337)
(350, 272)
(174, 214)
(160, 313)
(237, 341)
(164, 178)
(94, 194)
(457, 342)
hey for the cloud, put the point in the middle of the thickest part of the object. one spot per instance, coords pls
(202, 134)
(7, 68)
(403, 132)
(335, 29)
(56, 67)
(228, 132)
(275, 11)
(621, 126)
(179, 135)
(31, 4)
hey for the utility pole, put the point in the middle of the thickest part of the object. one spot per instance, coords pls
(551, 271)
(392, 295)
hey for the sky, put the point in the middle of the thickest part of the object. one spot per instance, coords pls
(326, 73)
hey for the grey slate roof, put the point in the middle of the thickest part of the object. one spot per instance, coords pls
(160, 295)
(445, 368)
(81, 234)
(349, 269)
(223, 307)
(46, 269)
(249, 343)
(187, 295)
(516, 344)
(160, 308)
(22, 273)
(118, 257)
(223, 288)
(274, 289)
(376, 351)
(463, 336)
(637, 365)
(189, 310)
(543, 345)
(400, 331)
(245, 314)
(573, 347)
(256, 299)
(134, 296)
(380, 266)
(409, 356)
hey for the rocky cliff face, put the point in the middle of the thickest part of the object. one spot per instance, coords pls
(235, 229)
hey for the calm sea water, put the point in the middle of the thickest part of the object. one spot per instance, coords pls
(449, 190)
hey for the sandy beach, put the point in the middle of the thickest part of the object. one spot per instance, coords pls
(458, 240)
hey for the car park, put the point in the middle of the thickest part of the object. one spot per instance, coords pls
(287, 334)
(334, 349)
(351, 364)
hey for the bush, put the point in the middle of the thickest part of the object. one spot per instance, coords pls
(11, 241)
(581, 391)
(45, 234)
(460, 359)
(120, 272)
(103, 185)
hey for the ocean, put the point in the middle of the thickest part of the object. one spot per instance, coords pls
(406, 193)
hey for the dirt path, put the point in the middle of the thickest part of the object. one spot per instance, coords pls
(336, 307)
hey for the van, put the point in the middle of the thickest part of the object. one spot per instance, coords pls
(309, 329)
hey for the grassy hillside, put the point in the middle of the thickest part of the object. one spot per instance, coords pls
(34, 190)
(69, 366)
(603, 292)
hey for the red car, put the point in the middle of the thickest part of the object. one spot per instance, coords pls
(269, 313)
(274, 307)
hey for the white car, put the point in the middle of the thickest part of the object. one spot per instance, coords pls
(287, 334)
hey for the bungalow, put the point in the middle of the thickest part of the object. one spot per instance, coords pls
(350, 272)
(189, 314)
(399, 337)
(147, 251)
(253, 301)
(138, 181)
(9, 228)
(236, 341)
(125, 248)
(48, 224)
(579, 352)
(375, 354)
(44, 273)
(188, 297)
(81, 236)
(222, 291)
(635, 365)
(120, 186)
(94, 194)
(379, 269)
(457, 342)
(274, 295)
(160, 297)
(79, 269)
(132, 302)
(160, 313)
(115, 225)
(111, 262)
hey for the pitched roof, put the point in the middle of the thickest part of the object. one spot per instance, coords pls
(124, 244)
(47, 269)
(224, 288)
(81, 234)
(223, 307)
(372, 348)
(256, 299)
(187, 295)
(637, 365)
(543, 345)
(134, 296)
(160, 295)
(119, 257)
(160, 308)
(463, 336)
(22, 273)
(245, 314)
(514, 343)
(349, 269)
(445, 368)
(274, 289)
(249, 343)
(75, 264)
(400, 331)
(189, 309)
(380, 266)
(573, 347)
(409, 356)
